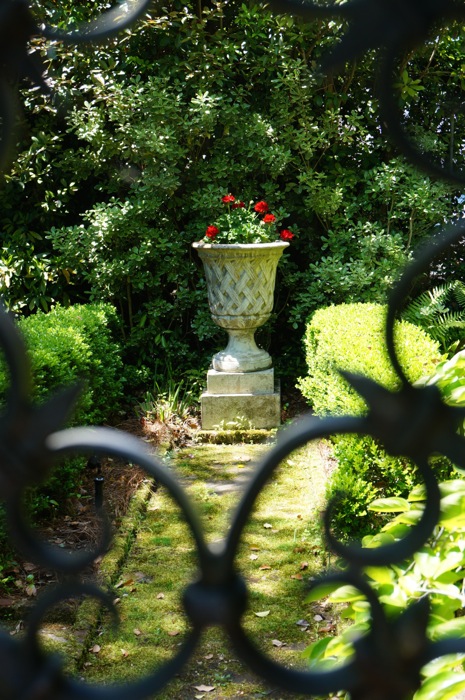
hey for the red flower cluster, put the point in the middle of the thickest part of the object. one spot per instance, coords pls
(260, 208)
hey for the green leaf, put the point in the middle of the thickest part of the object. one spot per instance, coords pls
(389, 505)
(418, 493)
(451, 628)
(452, 510)
(321, 591)
(347, 594)
(453, 486)
(441, 687)
(433, 566)
(317, 650)
(380, 574)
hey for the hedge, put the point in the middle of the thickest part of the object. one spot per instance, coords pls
(67, 345)
(351, 337)
(73, 344)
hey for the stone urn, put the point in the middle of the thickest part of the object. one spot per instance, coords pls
(240, 281)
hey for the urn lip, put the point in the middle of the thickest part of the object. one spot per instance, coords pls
(239, 246)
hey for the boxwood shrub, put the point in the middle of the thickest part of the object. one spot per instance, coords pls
(351, 337)
(71, 344)
(67, 345)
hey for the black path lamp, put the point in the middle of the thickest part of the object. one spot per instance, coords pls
(94, 462)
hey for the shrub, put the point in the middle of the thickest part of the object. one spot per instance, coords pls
(437, 571)
(68, 345)
(351, 337)
(64, 346)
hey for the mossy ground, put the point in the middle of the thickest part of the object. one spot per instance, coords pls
(280, 551)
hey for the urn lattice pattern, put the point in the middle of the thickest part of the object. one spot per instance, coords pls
(240, 281)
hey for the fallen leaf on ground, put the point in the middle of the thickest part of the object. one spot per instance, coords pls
(267, 526)
(27, 566)
(31, 590)
(124, 653)
(304, 565)
(137, 632)
(299, 577)
(265, 613)
(5, 602)
(204, 688)
(160, 596)
(253, 557)
(208, 656)
(302, 623)
(128, 582)
(318, 618)
(95, 649)
(277, 643)
(173, 633)
(264, 566)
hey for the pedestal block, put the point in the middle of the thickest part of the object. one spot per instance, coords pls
(232, 396)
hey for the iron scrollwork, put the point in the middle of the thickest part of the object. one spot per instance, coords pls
(413, 421)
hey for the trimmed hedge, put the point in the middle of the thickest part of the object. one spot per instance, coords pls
(67, 345)
(72, 344)
(351, 337)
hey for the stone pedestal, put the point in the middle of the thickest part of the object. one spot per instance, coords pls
(231, 396)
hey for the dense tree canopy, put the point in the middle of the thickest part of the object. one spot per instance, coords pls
(125, 165)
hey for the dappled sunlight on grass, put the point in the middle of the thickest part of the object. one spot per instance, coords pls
(280, 550)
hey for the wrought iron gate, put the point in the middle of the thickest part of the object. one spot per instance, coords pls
(413, 422)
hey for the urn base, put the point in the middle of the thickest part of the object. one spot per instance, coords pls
(249, 399)
(241, 354)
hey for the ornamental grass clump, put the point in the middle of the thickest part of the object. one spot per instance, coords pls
(241, 223)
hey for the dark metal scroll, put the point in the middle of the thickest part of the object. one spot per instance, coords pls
(414, 422)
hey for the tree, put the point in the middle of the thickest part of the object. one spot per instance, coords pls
(126, 167)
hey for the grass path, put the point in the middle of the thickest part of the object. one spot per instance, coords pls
(280, 550)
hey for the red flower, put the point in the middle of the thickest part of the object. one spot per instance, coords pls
(286, 235)
(238, 205)
(269, 219)
(261, 207)
(212, 231)
(228, 199)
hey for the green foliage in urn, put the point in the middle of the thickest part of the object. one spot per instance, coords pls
(251, 223)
